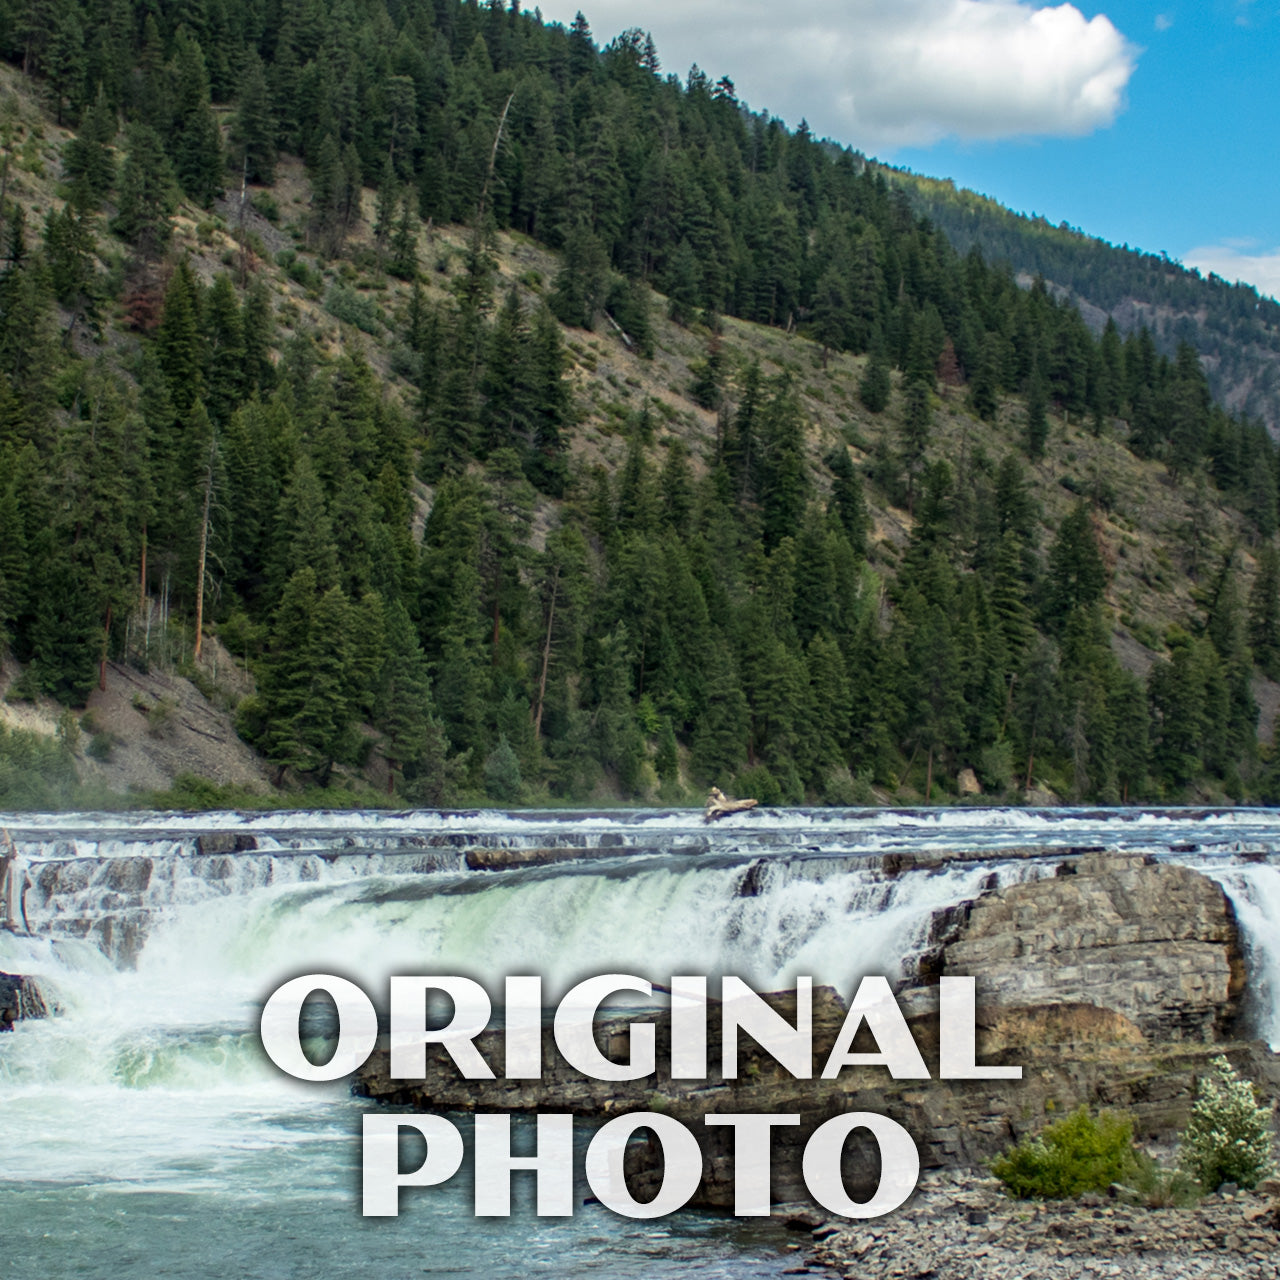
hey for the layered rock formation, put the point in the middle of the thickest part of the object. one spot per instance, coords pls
(1152, 942)
(21, 998)
(1113, 983)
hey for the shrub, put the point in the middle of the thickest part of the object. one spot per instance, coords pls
(353, 308)
(1228, 1138)
(502, 780)
(758, 783)
(1075, 1155)
(995, 766)
(1161, 1188)
(265, 204)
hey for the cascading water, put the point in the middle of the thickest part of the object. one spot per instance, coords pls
(1255, 894)
(146, 1133)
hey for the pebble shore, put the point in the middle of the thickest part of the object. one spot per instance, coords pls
(960, 1226)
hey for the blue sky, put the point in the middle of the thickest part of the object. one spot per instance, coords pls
(1156, 125)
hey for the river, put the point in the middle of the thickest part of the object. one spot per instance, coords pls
(144, 1133)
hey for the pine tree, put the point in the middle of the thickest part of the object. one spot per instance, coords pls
(88, 160)
(917, 427)
(224, 384)
(147, 194)
(848, 502)
(1264, 613)
(253, 135)
(875, 386)
(404, 243)
(783, 471)
(580, 286)
(720, 736)
(403, 709)
(178, 340)
(985, 385)
(1037, 429)
(196, 144)
(1077, 574)
(707, 387)
(502, 780)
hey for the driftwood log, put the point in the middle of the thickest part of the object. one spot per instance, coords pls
(719, 805)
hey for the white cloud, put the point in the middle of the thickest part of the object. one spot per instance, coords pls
(1164, 21)
(1234, 261)
(886, 73)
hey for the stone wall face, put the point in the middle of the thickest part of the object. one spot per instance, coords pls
(1156, 943)
(21, 998)
(1113, 984)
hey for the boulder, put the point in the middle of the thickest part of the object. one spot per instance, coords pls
(226, 842)
(21, 999)
(1155, 943)
(967, 783)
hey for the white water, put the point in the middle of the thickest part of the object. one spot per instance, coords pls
(1255, 894)
(150, 1089)
(46, 836)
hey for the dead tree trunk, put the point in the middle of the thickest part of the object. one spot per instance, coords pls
(720, 806)
(204, 552)
(102, 661)
(546, 656)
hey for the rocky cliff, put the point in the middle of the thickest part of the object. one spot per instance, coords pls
(21, 998)
(1112, 983)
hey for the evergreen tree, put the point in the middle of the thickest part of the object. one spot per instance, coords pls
(1037, 429)
(984, 388)
(196, 144)
(875, 386)
(88, 160)
(253, 135)
(1077, 574)
(502, 781)
(147, 199)
(580, 287)
(917, 426)
(847, 500)
(1264, 613)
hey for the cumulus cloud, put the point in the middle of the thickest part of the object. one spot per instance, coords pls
(887, 73)
(1240, 261)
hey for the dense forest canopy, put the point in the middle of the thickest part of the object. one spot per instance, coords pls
(173, 455)
(1235, 330)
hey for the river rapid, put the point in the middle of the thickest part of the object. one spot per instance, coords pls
(145, 1134)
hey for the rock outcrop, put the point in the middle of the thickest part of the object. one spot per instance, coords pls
(1113, 983)
(1153, 942)
(21, 998)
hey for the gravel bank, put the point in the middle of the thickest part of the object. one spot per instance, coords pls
(959, 1226)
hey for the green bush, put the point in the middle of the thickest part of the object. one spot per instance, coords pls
(35, 772)
(1075, 1155)
(758, 783)
(1228, 1138)
(353, 308)
(1161, 1188)
(502, 780)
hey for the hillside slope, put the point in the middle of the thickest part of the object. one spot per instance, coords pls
(486, 512)
(1235, 330)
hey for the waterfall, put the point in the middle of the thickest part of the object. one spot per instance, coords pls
(1254, 891)
(159, 935)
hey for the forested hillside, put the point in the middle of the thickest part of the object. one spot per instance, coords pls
(1235, 330)
(534, 425)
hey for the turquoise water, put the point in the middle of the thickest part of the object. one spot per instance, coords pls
(145, 1134)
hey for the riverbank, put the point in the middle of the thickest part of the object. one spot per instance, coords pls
(960, 1226)
(147, 1104)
